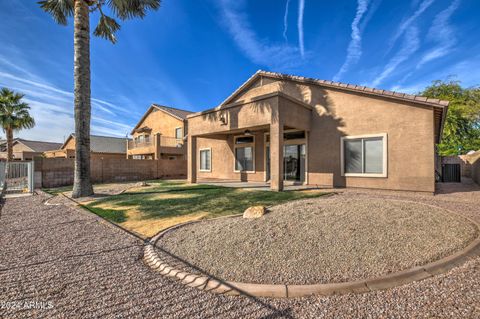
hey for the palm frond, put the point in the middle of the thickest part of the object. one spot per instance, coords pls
(59, 9)
(14, 114)
(106, 28)
(128, 9)
(23, 123)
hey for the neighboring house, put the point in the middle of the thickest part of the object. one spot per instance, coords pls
(277, 128)
(26, 150)
(159, 134)
(100, 147)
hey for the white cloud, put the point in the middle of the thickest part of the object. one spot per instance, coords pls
(410, 45)
(442, 33)
(301, 43)
(458, 71)
(354, 50)
(259, 51)
(406, 23)
(411, 89)
(285, 21)
(52, 107)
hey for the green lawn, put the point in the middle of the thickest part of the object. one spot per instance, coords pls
(148, 210)
(58, 190)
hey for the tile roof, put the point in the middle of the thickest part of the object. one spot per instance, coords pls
(105, 144)
(36, 146)
(179, 113)
(341, 86)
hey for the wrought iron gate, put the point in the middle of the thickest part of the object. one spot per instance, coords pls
(451, 173)
(19, 177)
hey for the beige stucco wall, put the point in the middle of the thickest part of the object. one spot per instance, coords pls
(20, 147)
(161, 122)
(70, 144)
(55, 154)
(409, 129)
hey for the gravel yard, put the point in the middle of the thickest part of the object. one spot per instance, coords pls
(336, 239)
(88, 269)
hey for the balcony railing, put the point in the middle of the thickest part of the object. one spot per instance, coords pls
(167, 141)
(138, 144)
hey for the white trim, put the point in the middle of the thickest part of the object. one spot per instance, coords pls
(209, 149)
(307, 135)
(366, 136)
(265, 145)
(235, 146)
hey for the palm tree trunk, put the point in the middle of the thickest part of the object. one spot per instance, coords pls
(9, 133)
(82, 185)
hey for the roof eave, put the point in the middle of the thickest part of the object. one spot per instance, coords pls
(442, 124)
(67, 140)
(143, 118)
(348, 87)
(169, 113)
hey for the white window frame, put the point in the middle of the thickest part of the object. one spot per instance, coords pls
(175, 133)
(235, 146)
(367, 136)
(209, 149)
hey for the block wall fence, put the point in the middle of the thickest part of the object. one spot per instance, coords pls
(55, 172)
(469, 165)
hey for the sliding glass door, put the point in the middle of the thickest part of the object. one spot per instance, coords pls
(293, 162)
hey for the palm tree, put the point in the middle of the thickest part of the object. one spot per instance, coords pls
(106, 28)
(14, 116)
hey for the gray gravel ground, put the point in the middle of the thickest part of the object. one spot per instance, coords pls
(112, 282)
(323, 240)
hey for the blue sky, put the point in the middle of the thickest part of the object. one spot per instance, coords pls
(193, 54)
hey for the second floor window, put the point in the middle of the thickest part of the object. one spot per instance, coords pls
(178, 133)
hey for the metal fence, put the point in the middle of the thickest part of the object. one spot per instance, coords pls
(19, 176)
(451, 173)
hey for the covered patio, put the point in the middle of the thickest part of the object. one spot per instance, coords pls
(252, 140)
(263, 186)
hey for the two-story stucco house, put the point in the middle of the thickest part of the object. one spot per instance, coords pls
(159, 134)
(278, 128)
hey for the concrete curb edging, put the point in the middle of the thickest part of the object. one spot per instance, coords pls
(209, 283)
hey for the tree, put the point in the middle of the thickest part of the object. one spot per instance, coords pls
(461, 132)
(14, 116)
(106, 28)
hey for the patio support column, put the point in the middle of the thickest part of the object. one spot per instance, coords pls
(192, 159)
(276, 155)
(157, 145)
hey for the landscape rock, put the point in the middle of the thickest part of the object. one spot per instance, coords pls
(254, 212)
